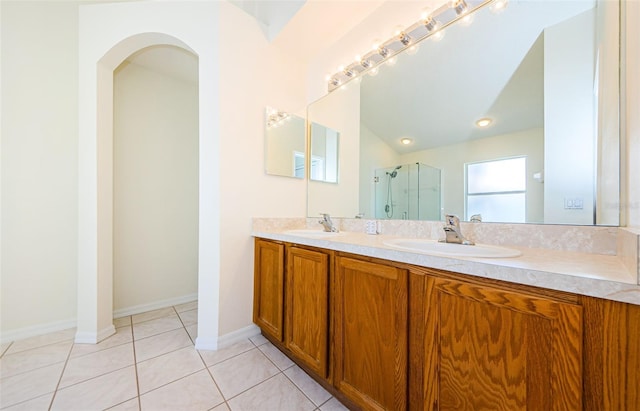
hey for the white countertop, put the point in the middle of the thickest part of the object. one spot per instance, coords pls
(596, 275)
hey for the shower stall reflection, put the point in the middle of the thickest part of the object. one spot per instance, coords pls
(408, 192)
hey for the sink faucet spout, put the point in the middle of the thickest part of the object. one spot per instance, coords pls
(327, 224)
(452, 231)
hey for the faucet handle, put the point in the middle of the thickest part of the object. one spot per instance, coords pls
(452, 220)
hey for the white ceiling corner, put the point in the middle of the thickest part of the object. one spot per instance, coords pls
(271, 15)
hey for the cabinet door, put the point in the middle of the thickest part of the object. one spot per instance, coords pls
(370, 314)
(307, 313)
(492, 349)
(268, 293)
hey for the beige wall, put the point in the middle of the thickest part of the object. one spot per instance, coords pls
(340, 112)
(39, 143)
(451, 160)
(253, 74)
(40, 163)
(631, 128)
(39, 166)
(155, 199)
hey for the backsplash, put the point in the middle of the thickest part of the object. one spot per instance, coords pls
(621, 242)
(629, 249)
(587, 239)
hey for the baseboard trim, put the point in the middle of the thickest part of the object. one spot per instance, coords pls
(156, 305)
(36, 330)
(238, 335)
(88, 337)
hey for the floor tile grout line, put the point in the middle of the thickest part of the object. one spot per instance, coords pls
(269, 378)
(93, 378)
(24, 401)
(287, 377)
(135, 365)
(301, 390)
(5, 355)
(224, 399)
(252, 387)
(2, 377)
(6, 349)
(64, 367)
(101, 350)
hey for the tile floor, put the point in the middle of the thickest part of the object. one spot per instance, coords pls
(151, 364)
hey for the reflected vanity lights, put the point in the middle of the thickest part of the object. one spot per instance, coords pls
(429, 25)
(276, 118)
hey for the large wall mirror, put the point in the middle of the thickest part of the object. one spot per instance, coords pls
(543, 75)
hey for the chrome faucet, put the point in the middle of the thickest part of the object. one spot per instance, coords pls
(327, 224)
(452, 231)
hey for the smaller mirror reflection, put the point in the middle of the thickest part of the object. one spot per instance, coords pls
(324, 154)
(285, 143)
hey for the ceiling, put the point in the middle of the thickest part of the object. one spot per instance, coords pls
(492, 69)
(300, 28)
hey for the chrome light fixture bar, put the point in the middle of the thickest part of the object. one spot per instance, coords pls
(438, 20)
(276, 118)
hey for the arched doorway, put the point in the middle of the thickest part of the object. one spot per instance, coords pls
(108, 34)
(155, 180)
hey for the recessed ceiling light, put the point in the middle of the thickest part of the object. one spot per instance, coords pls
(406, 141)
(484, 122)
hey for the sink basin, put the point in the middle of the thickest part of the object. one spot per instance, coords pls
(312, 233)
(436, 248)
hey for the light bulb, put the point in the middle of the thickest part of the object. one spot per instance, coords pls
(413, 49)
(374, 71)
(498, 6)
(460, 6)
(392, 61)
(431, 24)
(466, 20)
(406, 141)
(437, 36)
(404, 39)
(426, 13)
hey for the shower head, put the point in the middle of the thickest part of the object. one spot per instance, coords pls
(394, 173)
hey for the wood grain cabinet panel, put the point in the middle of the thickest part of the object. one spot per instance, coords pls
(370, 335)
(307, 302)
(493, 349)
(268, 293)
(612, 355)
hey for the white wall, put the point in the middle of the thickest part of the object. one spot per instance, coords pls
(39, 166)
(451, 160)
(282, 142)
(631, 127)
(340, 111)
(374, 154)
(569, 119)
(253, 74)
(155, 172)
(40, 145)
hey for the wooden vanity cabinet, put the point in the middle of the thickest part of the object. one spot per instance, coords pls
(370, 312)
(268, 293)
(389, 336)
(307, 308)
(489, 348)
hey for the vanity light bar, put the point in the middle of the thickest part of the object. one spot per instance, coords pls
(439, 19)
(276, 118)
